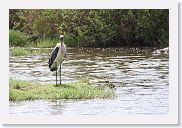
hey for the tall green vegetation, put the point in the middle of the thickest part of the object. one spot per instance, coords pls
(17, 38)
(95, 28)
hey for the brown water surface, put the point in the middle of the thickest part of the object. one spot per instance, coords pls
(141, 78)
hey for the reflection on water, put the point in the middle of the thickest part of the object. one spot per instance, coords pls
(141, 78)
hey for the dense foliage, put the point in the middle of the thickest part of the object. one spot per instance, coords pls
(95, 28)
(18, 38)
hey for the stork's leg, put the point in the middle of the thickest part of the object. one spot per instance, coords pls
(56, 77)
(60, 73)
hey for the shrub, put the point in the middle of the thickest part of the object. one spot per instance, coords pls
(95, 28)
(17, 38)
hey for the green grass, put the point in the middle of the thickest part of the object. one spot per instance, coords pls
(26, 90)
(47, 43)
(21, 51)
(18, 51)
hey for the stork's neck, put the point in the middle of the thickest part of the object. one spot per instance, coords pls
(61, 42)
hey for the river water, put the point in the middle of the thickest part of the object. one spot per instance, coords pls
(141, 78)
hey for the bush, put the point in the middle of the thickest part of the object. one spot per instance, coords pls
(17, 38)
(95, 28)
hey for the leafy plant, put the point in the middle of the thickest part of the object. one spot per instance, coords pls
(17, 38)
(92, 27)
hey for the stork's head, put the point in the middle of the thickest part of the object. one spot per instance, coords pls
(61, 38)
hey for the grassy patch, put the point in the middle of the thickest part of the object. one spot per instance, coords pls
(21, 51)
(18, 51)
(46, 43)
(26, 90)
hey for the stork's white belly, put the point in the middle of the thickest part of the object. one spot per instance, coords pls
(58, 60)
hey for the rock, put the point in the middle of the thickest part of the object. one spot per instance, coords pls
(164, 51)
(106, 84)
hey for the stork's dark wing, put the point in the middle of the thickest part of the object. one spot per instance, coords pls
(53, 56)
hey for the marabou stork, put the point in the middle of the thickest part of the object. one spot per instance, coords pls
(58, 55)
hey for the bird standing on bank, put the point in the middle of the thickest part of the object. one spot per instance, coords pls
(58, 55)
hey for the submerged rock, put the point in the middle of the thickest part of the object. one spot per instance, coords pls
(106, 84)
(164, 51)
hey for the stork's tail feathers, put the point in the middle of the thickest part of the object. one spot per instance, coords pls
(50, 64)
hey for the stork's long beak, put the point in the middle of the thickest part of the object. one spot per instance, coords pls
(61, 39)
